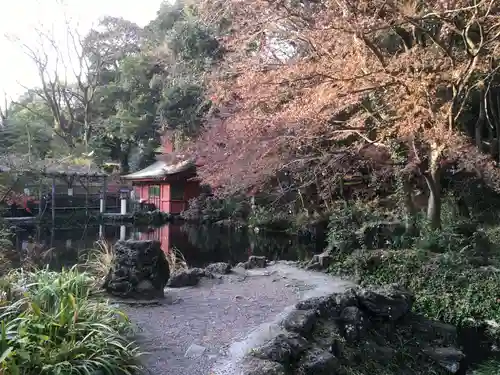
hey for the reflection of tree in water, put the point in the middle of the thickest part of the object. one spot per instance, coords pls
(53, 247)
(220, 241)
(238, 244)
(280, 247)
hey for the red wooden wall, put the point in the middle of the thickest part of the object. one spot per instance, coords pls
(164, 203)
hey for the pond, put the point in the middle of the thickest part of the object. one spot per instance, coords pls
(200, 245)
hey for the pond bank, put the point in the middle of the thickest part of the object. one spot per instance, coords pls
(210, 327)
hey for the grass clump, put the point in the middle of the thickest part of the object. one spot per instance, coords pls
(51, 325)
(99, 260)
(176, 260)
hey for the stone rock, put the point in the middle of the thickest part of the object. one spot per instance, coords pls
(379, 353)
(389, 302)
(254, 261)
(257, 262)
(314, 266)
(327, 334)
(447, 357)
(325, 259)
(356, 323)
(144, 286)
(284, 348)
(318, 362)
(190, 277)
(432, 330)
(220, 268)
(139, 270)
(195, 351)
(325, 306)
(300, 321)
(257, 366)
(347, 299)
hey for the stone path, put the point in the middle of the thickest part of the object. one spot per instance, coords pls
(207, 329)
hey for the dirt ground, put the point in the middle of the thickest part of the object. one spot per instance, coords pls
(206, 329)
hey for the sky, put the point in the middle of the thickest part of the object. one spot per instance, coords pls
(21, 17)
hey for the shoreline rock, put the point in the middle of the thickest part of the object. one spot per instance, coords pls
(140, 270)
(188, 277)
(361, 329)
(254, 261)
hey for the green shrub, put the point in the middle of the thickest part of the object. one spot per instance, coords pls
(488, 368)
(357, 225)
(270, 219)
(448, 286)
(52, 326)
(207, 208)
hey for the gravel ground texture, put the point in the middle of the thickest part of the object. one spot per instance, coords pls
(206, 329)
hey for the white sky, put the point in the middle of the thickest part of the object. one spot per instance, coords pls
(19, 17)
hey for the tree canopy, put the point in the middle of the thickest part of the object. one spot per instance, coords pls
(320, 90)
(114, 90)
(295, 98)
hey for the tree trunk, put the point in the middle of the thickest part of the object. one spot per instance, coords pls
(432, 178)
(124, 166)
(124, 156)
(411, 210)
(478, 129)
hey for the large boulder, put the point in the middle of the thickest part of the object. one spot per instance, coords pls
(356, 323)
(254, 261)
(320, 261)
(318, 362)
(433, 331)
(284, 348)
(389, 301)
(330, 306)
(325, 306)
(221, 268)
(300, 321)
(447, 357)
(140, 270)
(188, 277)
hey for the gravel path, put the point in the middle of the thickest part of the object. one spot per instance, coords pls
(206, 329)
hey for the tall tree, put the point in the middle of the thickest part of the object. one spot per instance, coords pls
(306, 82)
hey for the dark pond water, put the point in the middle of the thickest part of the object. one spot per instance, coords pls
(199, 244)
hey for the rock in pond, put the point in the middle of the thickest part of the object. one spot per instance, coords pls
(139, 270)
(182, 278)
(220, 268)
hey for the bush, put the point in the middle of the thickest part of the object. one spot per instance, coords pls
(207, 208)
(488, 368)
(448, 287)
(454, 271)
(51, 325)
(356, 225)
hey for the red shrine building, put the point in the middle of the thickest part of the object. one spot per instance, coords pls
(168, 184)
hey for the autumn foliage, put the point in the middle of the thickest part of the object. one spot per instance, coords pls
(318, 90)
